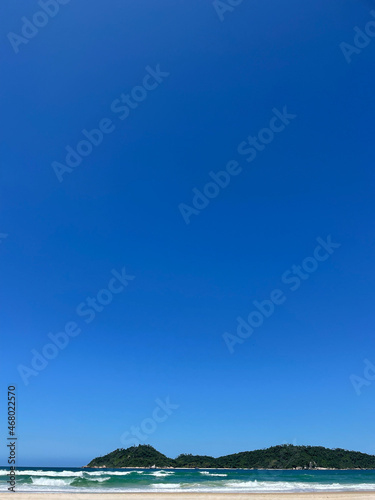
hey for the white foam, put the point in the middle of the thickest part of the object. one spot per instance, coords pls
(106, 473)
(196, 488)
(206, 473)
(68, 473)
(161, 473)
(43, 481)
(49, 473)
(284, 486)
(166, 486)
(100, 479)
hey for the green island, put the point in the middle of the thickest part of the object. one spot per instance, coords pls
(276, 457)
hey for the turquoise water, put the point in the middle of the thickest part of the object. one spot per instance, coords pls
(128, 480)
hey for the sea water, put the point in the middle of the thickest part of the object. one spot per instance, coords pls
(42, 479)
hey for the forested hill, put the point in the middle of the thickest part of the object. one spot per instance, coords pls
(135, 456)
(276, 457)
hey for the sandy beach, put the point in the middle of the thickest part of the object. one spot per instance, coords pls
(191, 496)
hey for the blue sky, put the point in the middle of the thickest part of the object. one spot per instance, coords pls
(162, 335)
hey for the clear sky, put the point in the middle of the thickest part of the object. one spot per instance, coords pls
(213, 84)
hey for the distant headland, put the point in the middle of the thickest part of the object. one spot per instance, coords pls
(276, 457)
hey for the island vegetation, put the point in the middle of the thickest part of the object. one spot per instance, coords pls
(277, 457)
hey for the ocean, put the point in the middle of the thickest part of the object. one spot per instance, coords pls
(42, 479)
